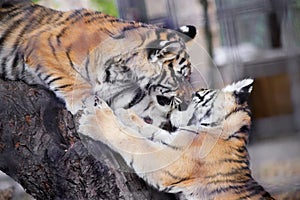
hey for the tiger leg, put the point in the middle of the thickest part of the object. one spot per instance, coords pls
(151, 132)
(101, 124)
(156, 134)
(75, 96)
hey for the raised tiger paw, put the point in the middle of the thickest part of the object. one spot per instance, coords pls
(130, 118)
(97, 118)
(211, 129)
(94, 101)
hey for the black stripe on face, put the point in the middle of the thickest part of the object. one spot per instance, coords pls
(162, 76)
(137, 98)
(182, 61)
(209, 99)
(107, 75)
(202, 96)
(206, 115)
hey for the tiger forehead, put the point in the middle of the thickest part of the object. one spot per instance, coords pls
(168, 35)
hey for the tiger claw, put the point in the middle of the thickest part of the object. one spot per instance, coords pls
(100, 103)
(94, 101)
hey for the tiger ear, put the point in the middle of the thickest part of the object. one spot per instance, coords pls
(188, 32)
(241, 90)
(166, 50)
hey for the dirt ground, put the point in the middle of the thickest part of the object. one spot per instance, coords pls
(276, 165)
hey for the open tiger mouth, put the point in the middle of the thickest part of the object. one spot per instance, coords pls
(148, 120)
(162, 100)
(180, 105)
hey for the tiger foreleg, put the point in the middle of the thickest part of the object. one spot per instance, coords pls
(99, 122)
(149, 159)
(149, 131)
(74, 96)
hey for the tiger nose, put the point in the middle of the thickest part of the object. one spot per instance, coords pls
(184, 92)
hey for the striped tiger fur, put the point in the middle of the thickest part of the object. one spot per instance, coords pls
(80, 53)
(205, 158)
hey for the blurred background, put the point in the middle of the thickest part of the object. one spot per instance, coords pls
(237, 39)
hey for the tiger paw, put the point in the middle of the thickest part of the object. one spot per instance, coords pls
(211, 129)
(95, 118)
(130, 118)
(94, 101)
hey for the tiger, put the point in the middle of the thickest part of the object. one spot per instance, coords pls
(205, 158)
(81, 53)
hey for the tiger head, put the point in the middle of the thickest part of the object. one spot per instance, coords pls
(170, 56)
(147, 69)
(151, 58)
(218, 129)
(226, 108)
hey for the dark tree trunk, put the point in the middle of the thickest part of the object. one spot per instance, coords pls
(40, 149)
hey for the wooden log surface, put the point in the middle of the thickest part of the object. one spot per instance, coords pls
(40, 149)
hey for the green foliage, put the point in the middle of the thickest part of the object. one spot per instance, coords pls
(106, 6)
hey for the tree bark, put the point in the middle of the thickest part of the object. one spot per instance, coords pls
(40, 149)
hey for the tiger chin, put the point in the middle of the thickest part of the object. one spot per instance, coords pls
(81, 53)
(205, 158)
